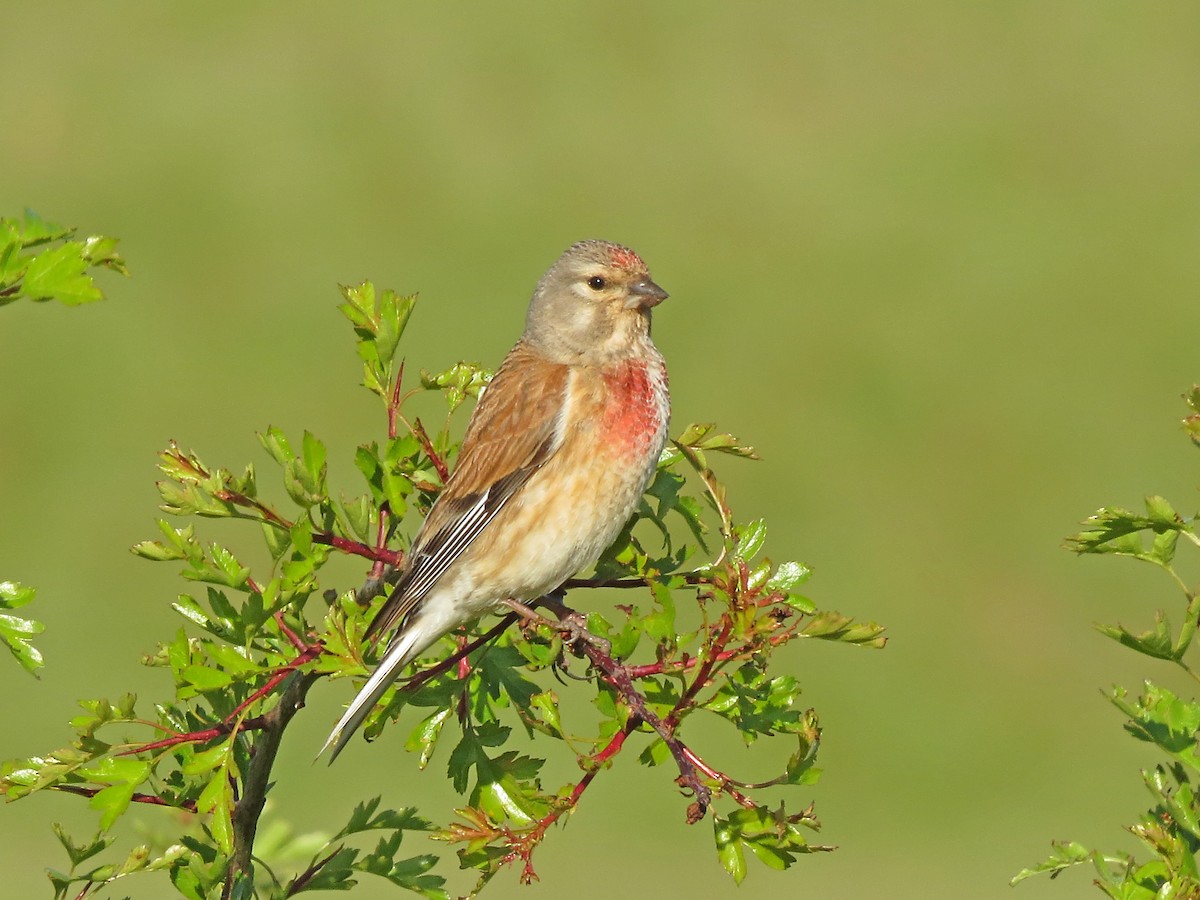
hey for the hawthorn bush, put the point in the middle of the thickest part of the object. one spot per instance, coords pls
(699, 636)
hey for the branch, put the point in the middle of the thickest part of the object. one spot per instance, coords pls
(254, 791)
(458, 655)
(616, 675)
(151, 799)
(699, 577)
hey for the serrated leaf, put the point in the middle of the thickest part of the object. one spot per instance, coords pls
(1064, 856)
(111, 802)
(80, 852)
(275, 442)
(58, 273)
(1157, 643)
(787, 576)
(1160, 717)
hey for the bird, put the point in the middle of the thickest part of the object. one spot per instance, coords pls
(557, 453)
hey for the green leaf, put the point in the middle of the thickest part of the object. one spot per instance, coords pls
(833, 626)
(425, 736)
(787, 576)
(1160, 717)
(368, 817)
(758, 704)
(58, 274)
(217, 800)
(750, 538)
(275, 442)
(207, 760)
(13, 595)
(17, 633)
(771, 835)
(1119, 531)
(112, 802)
(1191, 424)
(1065, 855)
(80, 852)
(659, 624)
(706, 437)
(1158, 643)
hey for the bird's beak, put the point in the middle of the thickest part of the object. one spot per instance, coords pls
(645, 294)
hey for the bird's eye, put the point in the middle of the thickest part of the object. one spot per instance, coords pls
(596, 283)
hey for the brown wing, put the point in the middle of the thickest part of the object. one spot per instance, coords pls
(514, 430)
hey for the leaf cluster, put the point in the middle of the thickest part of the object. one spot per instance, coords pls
(43, 261)
(17, 633)
(1170, 828)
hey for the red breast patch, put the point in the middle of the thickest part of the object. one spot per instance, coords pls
(635, 408)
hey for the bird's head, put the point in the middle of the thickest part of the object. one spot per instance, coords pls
(593, 304)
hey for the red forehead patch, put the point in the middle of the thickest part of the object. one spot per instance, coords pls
(626, 258)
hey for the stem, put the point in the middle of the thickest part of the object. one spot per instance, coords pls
(151, 799)
(422, 437)
(523, 847)
(198, 737)
(452, 660)
(702, 676)
(249, 808)
(690, 662)
(697, 577)
(356, 548)
(393, 407)
(300, 881)
(727, 783)
(381, 542)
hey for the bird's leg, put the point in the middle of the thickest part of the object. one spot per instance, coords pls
(570, 622)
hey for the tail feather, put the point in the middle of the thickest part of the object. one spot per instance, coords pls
(404, 649)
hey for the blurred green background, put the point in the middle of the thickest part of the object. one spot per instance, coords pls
(937, 261)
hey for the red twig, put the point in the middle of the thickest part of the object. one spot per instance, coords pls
(150, 799)
(616, 676)
(690, 662)
(309, 653)
(721, 778)
(422, 437)
(464, 672)
(522, 847)
(357, 548)
(293, 638)
(239, 499)
(197, 737)
(381, 543)
(393, 409)
(702, 676)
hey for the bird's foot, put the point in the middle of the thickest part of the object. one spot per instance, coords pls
(571, 623)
